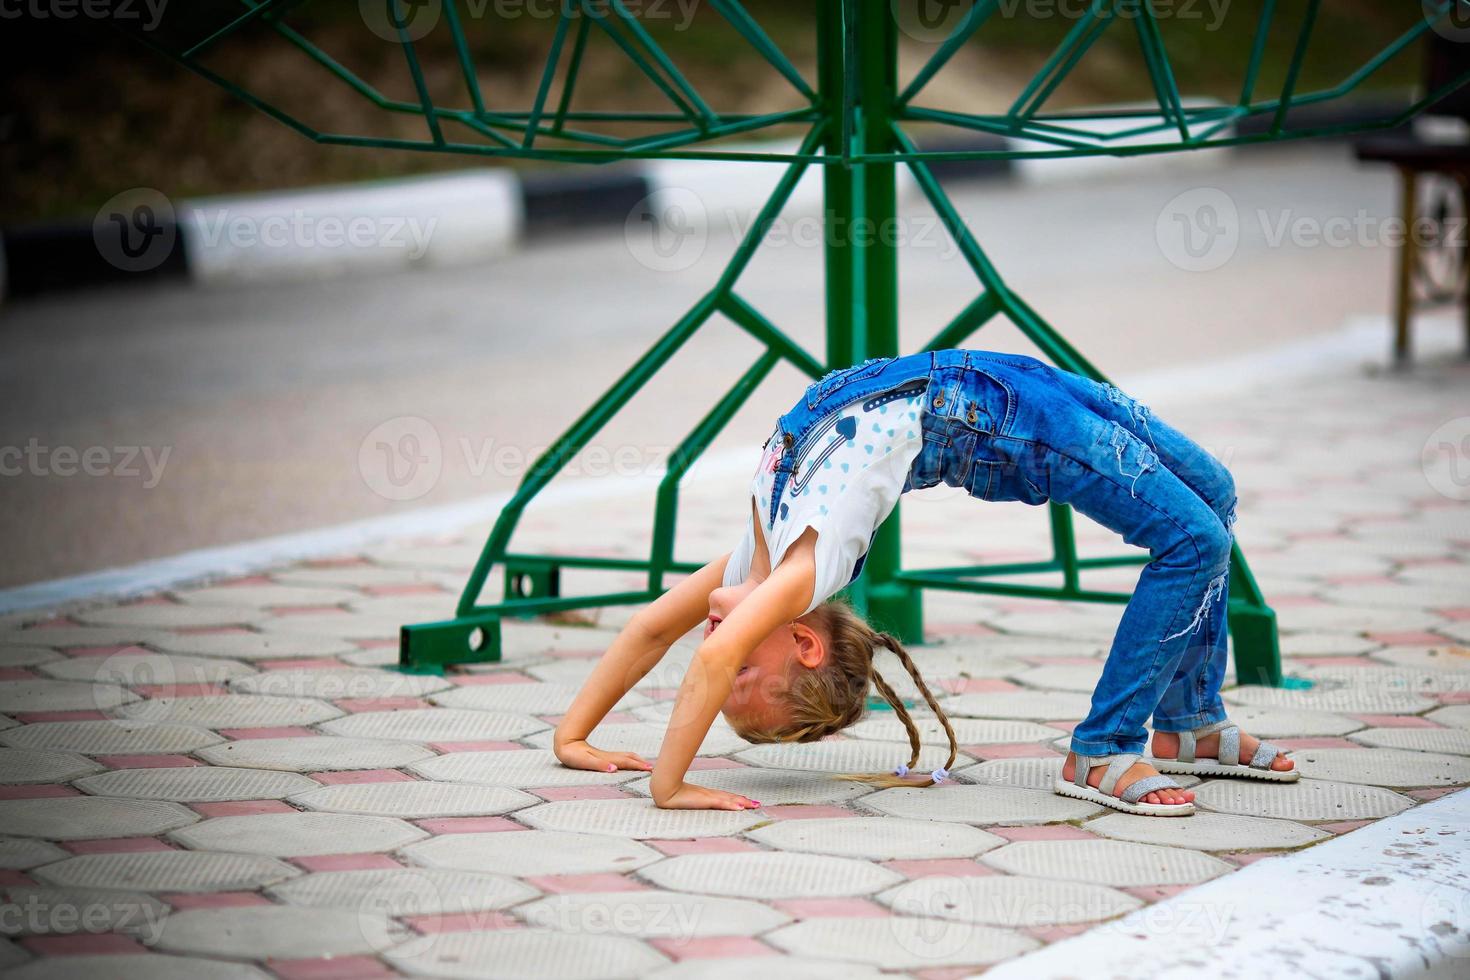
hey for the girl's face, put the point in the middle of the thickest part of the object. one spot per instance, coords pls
(757, 696)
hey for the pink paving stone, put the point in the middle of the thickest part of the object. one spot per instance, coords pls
(237, 734)
(803, 811)
(468, 825)
(305, 663)
(117, 845)
(1455, 697)
(10, 877)
(561, 884)
(711, 947)
(32, 717)
(345, 862)
(431, 925)
(242, 808)
(359, 705)
(82, 944)
(446, 747)
(662, 693)
(1062, 726)
(16, 674)
(37, 791)
(1394, 721)
(1010, 750)
(944, 973)
(506, 677)
(147, 761)
(970, 685)
(1410, 639)
(815, 908)
(702, 845)
(362, 776)
(305, 610)
(179, 690)
(339, 561)
(556, 794)
(1434, 793)
(329, 968)
(574, 654)
(1155, 893)
(1293, 744)
(1242, 858)
(374, 644)
(924, 867)
(1052, 934)
(1343, 826)
(1457, 612)
(714, 762)
(216, 900)
(1052, 831)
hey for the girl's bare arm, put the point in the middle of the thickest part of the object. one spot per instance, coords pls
(637, 650)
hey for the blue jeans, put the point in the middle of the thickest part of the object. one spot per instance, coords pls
(1009, 427)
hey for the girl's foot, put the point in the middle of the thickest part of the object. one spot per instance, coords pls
(1139, 770)
(1166, 746)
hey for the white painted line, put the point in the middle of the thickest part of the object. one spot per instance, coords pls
(1389, 900)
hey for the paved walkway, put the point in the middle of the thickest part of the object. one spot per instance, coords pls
(223, 782)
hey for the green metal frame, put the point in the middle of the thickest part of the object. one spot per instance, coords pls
(853, 120)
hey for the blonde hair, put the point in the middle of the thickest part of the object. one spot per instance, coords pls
(825, 700)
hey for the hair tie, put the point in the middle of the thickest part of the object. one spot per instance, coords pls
(939, 775)
(901, 771)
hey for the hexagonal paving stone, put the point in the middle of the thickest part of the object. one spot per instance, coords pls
(168, 871)
(532, 767)
(651, 914)
(336, 626)
(338, 685)
(536, 698)
(1319, 644)
(308, 753)
(196, 784)
(1449, 657)
(1031, 773)
(233, 711)
(532, 852)
(1207, 831)
(1383, 767)
(109, 737)
(1349, 700)
(744, 967)
(409, 891)
(140, 668)
(73, 911)
(770, 874)
(170, 615)
(1106, 862)
(1006, 900)
(361, 576)
(133, 966)
(1268, 722)
(967, 731)
(435, 725)
(974, 804)
(528, 954)
(41, 766)
(876, 838)
(646, 739)
(299, 834)
(63, 637)
(83, 817)
(900, 942)
(772, 787)
(414, 800)
(1306, 799)
(20, 853)
(847, 755)
(1023, 705)
(279, 932)
(47, 695)
(1450, 740)
(261, 596)
(1455, 715)
(1061, 677)
(26, 656)
(1409, 680)
(636, 818)
(252, 646)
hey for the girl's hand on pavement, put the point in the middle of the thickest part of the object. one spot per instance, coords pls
(692, 797)
(579, 755)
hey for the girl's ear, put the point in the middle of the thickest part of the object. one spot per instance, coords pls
(811, 648)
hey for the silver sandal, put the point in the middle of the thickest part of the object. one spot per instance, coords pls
(1227, 760)
(1128, 800)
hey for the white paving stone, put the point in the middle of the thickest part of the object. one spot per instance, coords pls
(770, 875)
(1021, 705)
(1395, 679)
(109, 737)
(66, 637)
(276, 645)
(170, 615)
(339, 685)
(138, 668)
(1306, 799)
(773, 787)
(532, 852)
(535, 698)
(646, 739)
(336, 626)
(279, 932)
(14, 656)
(414, 800)
(133, 966)
(847, 756)
(901, 942)
(1029, 773)
(233, 711)
(299, 834)
(1348, 700)
(196, 784)
(363, 576)
(1007, 900)
(435, 725)
(1061, 677)
(1452, 658)
(636, 818)
(1121, 864)
(1383, 767)
(744, 967)
(876, 838)
(49, 695)
(522, 769)
(1268, 722)
(651, 914)
(1322, 644)
(979, 804)
(20, 853)
(1455, 715)
(319, 753)
(405, 892)
(85, 817)
(41, 766)
(263, 596)
(1455, 741)
(168, 871)
(528, 954)
(46, 910)
(967, 731)
(1207, 831)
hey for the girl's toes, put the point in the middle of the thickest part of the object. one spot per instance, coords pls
(1282, 764)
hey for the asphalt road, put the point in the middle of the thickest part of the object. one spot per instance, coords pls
(188, 417)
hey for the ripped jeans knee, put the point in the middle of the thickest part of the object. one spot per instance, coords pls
(1137, 410)
(1130, 453)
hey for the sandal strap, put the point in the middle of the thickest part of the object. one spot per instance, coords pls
(1117, 766)
(1266, 754)
(1229, 754)
(1140, 788)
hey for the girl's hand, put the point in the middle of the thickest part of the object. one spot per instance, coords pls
(579, 755)
(692, 797)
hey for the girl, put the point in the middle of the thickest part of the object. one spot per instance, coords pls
(785, 664)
